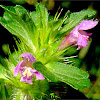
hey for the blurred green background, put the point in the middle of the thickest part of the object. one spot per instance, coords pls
(88, 58)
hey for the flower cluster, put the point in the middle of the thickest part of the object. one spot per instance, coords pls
(78, 37)
(25, 67)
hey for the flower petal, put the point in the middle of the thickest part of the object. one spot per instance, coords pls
(17, 68)
(85, 34)
(87, 24)
(29, 81)
(82, 42)
(22, 79)
(29, 56)
(39, 76)
(78, 37)
(26, 78)
(70, 39)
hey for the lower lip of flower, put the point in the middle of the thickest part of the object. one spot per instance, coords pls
(27, 73)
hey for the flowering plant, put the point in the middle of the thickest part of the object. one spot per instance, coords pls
(43, 44)
(25, 67)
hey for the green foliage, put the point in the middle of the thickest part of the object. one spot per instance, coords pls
(37, 90)
(74, 18)
(56, 71)
(45, 71)
(17, 21)
(2, 73)
(41, 37)
(34, 28)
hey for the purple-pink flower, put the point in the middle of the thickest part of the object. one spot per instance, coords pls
(25, 67)
(78, 37)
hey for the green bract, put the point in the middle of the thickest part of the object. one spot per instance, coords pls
(41, 37)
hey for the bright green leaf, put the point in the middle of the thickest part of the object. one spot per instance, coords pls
(73, 76)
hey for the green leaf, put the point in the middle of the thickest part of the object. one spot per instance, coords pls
(33, 15)
(55, 27)
(3, 73)
(29, 26)
(17, 21)
(3, 62)
(56, 71)
(73, 76)
(43, 69)
(74, 19)
(42, 14)
(39, 89)
(3, 91)
(42, 20)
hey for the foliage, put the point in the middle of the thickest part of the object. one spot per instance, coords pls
(41, 37)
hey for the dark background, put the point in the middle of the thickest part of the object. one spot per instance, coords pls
(92, 56)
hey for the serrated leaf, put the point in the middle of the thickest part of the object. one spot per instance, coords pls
(73, 76)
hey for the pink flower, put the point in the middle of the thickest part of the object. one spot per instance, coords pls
(25, 67)
(78, 37)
